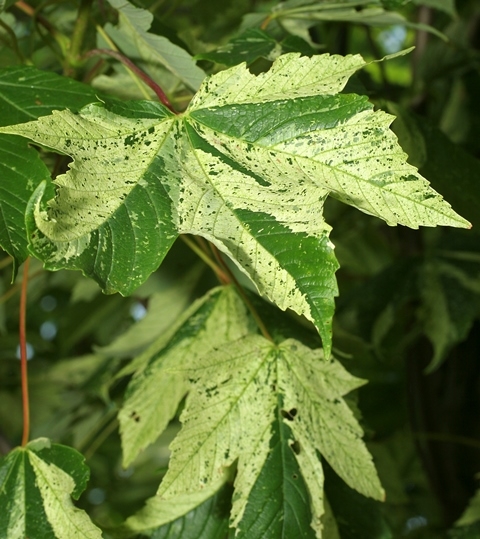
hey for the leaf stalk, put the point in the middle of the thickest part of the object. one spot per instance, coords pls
(23, 355)
(140, 74)
(261, 326)
(222, 277)
(81, 24)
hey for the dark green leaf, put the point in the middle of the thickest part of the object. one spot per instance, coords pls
(357, 517)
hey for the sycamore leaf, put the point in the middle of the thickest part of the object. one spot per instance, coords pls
(248, 167)
(36, 485)
(134, 24)
(154, 393)
(238, 392)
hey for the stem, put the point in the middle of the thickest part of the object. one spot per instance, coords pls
(265, 23)
(140, 74)
(112, 45)
(222, 277)
(23, 355)
(377, 54)
(78, 35)
(261, 326)
(32, 12)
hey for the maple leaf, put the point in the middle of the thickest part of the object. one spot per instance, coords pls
(242, 393)
(248, 166)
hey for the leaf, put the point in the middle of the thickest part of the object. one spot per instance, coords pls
(448, 6)
(248, 167)
(297, 17)
(36, 482)
(448, 309)
(247, 47)
(134, 23)
(207, 521)
(25, 94)
(229, 414)
(451, 170)
(471, 515)
(290, 77)
(102, 224)
(5, 4)
(154, 393)
(357, 517)
(310, 385)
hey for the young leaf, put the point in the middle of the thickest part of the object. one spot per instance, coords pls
(229, 415)
(36, 482)
(248, 166)
(153, 395)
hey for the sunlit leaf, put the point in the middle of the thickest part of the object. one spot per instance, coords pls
(248, 167)
(235, 399)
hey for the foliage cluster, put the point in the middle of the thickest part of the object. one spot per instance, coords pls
(271, 355)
